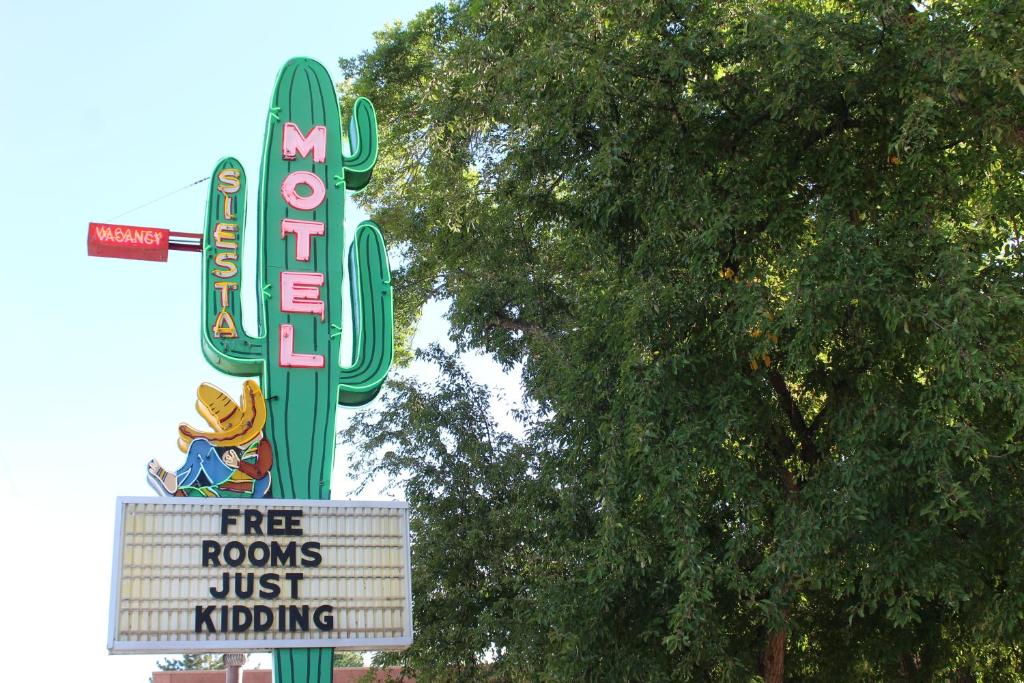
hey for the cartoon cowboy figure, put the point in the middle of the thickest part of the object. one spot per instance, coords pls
(232, 461)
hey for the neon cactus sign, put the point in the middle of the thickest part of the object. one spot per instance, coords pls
(301, 261)
(277, 440)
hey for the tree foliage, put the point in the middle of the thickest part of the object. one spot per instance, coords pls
(192, 662)
(760, 264)
(346, 659)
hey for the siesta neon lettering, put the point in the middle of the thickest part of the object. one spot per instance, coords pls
(226, 261)
(224, 235)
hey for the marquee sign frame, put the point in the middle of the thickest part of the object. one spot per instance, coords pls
(224, 643)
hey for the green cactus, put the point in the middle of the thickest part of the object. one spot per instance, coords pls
(301, 401)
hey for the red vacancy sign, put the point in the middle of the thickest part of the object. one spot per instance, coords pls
(128, 241)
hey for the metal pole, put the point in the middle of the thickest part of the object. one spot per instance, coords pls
(233, 662)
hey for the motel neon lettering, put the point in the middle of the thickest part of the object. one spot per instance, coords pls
(300, 291)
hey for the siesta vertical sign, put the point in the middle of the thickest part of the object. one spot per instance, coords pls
(305, 266)
(225, 247)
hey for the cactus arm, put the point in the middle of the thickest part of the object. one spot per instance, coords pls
(373, 327)
(362, 141)
(225, 343)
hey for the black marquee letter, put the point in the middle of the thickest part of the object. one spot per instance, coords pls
(263, 618)
(224, 588)
(228, 516)
(311, 554)
(324, 623)
(241, 619)
(203, 618)
(211, 553)
(238, 550)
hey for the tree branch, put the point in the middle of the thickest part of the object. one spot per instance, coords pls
(808, 449)
(504, 322)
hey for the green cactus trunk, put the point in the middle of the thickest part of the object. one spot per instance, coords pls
(301, 202)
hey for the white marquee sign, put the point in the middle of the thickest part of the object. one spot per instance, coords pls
(216, 575)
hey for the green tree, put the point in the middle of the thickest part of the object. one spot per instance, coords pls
(760, 265)
(203, 662)
(344, 659)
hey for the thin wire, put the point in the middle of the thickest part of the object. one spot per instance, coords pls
(154, 201)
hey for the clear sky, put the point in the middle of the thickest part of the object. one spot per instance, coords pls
(106, 105)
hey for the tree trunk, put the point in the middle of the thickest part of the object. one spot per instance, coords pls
(773, 659)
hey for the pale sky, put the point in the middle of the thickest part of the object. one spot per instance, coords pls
(105, 106)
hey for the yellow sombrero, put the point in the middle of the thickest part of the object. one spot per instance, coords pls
(233, 425)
